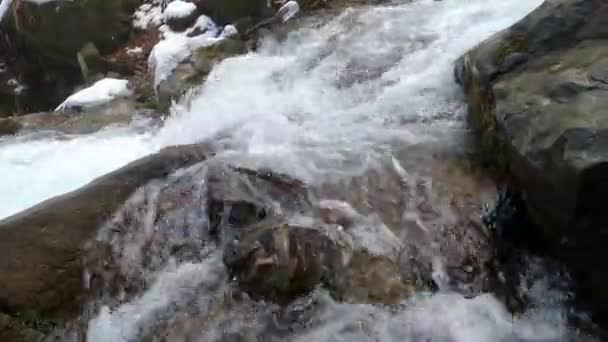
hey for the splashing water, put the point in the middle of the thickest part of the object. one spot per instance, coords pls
(313, 104)
(33, 170)
(333, 99)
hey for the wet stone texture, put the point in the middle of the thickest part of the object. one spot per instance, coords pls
(282, 240)
(537, 95)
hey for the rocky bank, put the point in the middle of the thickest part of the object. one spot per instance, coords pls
(538, 96)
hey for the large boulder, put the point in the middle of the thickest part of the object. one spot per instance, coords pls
(49, 29)
(538, 95)
(42, 249)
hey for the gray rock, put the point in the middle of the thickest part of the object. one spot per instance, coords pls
(116, 113)
(545, 119)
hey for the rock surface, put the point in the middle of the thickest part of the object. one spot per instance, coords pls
(12, 330)
(192, 72)
(118, 112)
(538, 94)
(48, 29)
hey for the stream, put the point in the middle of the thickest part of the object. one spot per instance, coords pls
(343, 103)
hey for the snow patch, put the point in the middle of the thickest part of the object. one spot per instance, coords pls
(147, 15)
(179, 9)
(17, 87)
(101, 92)
(175, 47)
(229, 31)
(135, 51)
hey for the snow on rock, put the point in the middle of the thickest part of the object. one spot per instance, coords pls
(148, 14)
(179, 9)
(203, 24)
(166, 55)
(176, 47)
(288, 11)
(229, 31)
(17, 87)
(135, 51)
(101, 92)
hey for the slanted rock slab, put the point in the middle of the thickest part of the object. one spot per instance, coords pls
(538, 96)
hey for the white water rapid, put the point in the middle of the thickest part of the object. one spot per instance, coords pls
(331, 99)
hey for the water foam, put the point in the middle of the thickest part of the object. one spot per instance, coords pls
(32, 171)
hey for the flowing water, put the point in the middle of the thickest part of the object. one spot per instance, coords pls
(339, 96)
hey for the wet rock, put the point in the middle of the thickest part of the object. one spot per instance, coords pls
(436, 221)
(42, 249)
(116, 113)
(193, 71)
(278, 261)
(537, 97)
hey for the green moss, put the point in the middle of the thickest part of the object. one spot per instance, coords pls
(515, 43)
(482, 114)
(28, 319)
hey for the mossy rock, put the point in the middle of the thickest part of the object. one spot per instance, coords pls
(14, 330)
(514, 44)
(58, 30)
